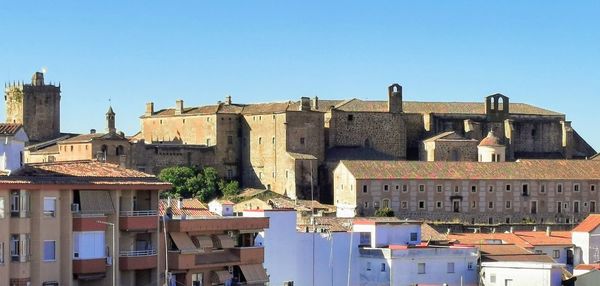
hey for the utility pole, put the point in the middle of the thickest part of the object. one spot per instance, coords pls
(114, 251)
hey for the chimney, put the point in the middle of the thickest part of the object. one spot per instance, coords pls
(304, 103)
(395, 98)
(178, 106)
(149, 108)
(228, 100)
(92, 131)
(548, 231)
(315, 103)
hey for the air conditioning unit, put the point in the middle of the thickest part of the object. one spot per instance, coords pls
(74, 208)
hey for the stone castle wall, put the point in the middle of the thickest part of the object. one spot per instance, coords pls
(37, 108)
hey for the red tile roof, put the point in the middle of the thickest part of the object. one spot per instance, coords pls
(9, 128)
(510, 252)
(588, 224)
(519, 170)
(87, 172)
(587, 266)
(539, 238)
(490, 140)
(189, 208)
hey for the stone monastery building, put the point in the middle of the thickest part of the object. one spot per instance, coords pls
(292, 147)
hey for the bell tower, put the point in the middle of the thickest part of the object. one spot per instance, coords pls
(110, 121)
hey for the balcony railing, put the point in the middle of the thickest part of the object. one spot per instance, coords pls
(139, 213)
(137, 253)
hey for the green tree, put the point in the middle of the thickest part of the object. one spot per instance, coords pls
(178, 176)
(229, 189)
(384, 212)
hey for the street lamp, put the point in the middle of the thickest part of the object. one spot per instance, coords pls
(114, 252)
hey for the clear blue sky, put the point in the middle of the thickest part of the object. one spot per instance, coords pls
(258, 51)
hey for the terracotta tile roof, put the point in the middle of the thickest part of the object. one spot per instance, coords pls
(358, 105)
(199, 110)
(587, 267)
(510, 252)
(93, 136)
(300, 205)
(189, 207)
(274, 107)
(519, 170)
(81, 172)
(449, 135)
(488, 239)
(9, 128)
(428, 233)
(588, 224)
(539, 238)
(490, 140)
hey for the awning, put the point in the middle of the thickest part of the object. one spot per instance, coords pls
(223, 241)
(95, 202)
(220, 277)
(204, 241)
(183, 242)
(254, 273)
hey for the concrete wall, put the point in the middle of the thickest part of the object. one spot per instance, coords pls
(521, 273)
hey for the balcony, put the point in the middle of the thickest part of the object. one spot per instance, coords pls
(138, 220)
(138, 259)
(219, 258)
(89, 266)
(88, 222)
(218, 224)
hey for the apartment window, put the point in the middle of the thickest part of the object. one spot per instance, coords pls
(490, 205)
(386, 188)
(421, 188)
(439, 188)
(365, 189)
(19, 203)
(421, 204)
(368, 265)
(473, 189)
(302, 140)
(450, 267)
(490, 189)
(576, 187)
(49, 206)
(404, 204)
(507, 204)
(507, 188)
(229, 139)
(421, 268)
(49, 250)
(197, 279)
(404, 188)
(438, 204)
(556, 254)
(1, 252)
(414, 236)
(382, 267)
(525, 190)
(89, 244)
(385, 203)
(19, 247)
(576, 207)
(559, 188)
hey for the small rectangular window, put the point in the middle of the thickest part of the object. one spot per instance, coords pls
(525, 190)
(366, 204)
(470, 266)
(421, 204)
(507, 204)
(49, 250)
(450, 267)
(507, 188)
(473, 204)
(491, 189)
(404, 204)
(302, 140)
(49, 206)
(490, 205)
(556, 254)
(438, 204)
(382, 267)
(592, 188)
(473, 189)
(421, 268)
(414, 236)
(421, 188)
(543, 188)
(559, 188)
(576, 187)
(439, 189)
(404, 188)
(386, 188)
(365, 189)
(456, 189)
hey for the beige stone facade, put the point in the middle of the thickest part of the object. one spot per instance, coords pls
(437, 191)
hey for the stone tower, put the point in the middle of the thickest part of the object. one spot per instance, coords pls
(110, 121)
(395, 98)
(36, 106)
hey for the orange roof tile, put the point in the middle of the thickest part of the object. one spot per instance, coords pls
(588, 224)
(539, 238)
(587, 266)
(519, 170)
(189, 208)
(9, 128)
(488, 239)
